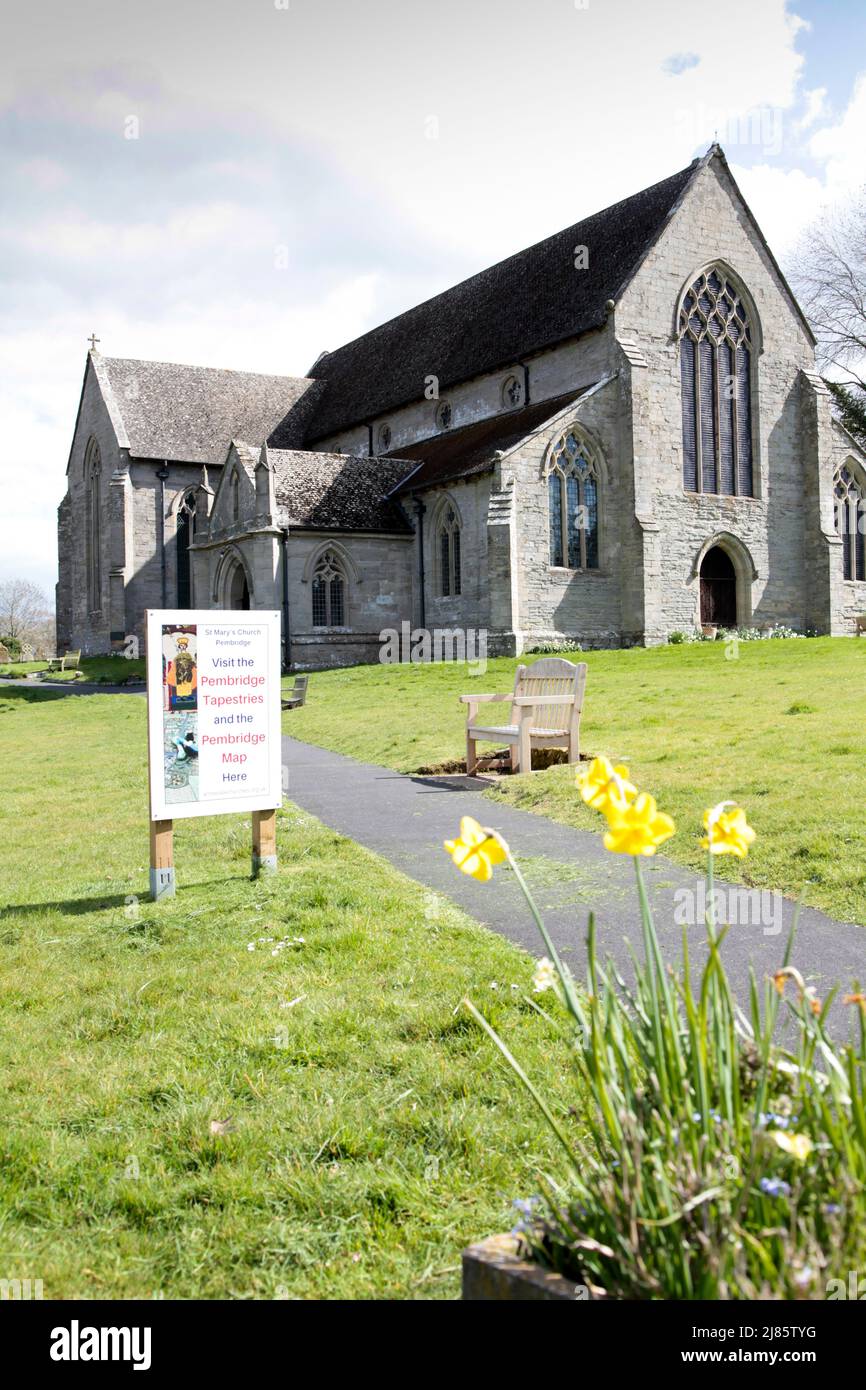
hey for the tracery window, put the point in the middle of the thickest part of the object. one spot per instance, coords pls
(329, 592)
(573, 487)
(93, 538)
(716, 373)
(449, 554)
(850, 507)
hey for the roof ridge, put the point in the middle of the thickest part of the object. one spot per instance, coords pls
(196, 367)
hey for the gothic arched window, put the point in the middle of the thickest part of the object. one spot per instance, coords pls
(850, 509)
(572, 487)
(449, 553)
(93, 540)
(185, 534)
(716, 373)
(329, 592)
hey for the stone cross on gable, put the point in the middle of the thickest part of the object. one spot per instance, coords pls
(93, 341)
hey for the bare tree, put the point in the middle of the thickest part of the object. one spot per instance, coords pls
(829, 276)
(23, 610)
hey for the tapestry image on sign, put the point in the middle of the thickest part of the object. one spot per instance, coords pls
(180, 717)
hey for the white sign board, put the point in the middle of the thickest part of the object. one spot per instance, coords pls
(213, 710)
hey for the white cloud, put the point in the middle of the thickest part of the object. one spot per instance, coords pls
(840, 146)
(816, 107)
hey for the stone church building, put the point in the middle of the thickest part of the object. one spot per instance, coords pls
(615, 434)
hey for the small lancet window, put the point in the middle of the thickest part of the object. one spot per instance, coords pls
(449, 554)
(329, 592)
(184, 538)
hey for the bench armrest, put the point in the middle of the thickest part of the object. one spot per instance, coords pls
(483, 699)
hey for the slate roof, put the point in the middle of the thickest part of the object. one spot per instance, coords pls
(524, 304)
(338, 492)
(463, 453)
(191, 414)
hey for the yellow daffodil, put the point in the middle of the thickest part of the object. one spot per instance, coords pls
(638, 828)
(475, 851)
(605, 787)
(799, 1145)
(727, 831)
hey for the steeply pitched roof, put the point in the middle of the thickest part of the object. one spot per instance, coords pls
(168, 410)
(463, 453)
(524, 304)
(337, 492)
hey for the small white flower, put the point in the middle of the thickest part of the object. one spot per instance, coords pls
(251, 946)
(493, 984)
(545, 976)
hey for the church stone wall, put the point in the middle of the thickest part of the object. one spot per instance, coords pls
(470, 608)
(86, 629)
(710, 226)
(378, 596)
(567, 367)
(557, 603)
(144, 584)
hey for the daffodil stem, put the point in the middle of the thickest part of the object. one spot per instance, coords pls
(518, 1070)
(564, 976)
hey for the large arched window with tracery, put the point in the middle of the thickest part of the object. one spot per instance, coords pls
(850, 507)
(92, 528)
(572, 489)
(329, 592)
(449, 553)
(716, 348)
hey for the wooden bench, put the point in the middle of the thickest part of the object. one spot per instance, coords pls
(297, 695)
(545, 713)
(69, 662)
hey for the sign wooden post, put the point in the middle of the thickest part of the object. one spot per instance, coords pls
(161, 859)
(264, 842)
(214, 737)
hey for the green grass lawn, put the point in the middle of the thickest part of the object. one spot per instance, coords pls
(106, 670)
(183, 1116)
(781, 728)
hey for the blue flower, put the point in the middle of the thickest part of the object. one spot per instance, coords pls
(831, 1209)
(775, 1187)
(769, 1117)
(524, 1205)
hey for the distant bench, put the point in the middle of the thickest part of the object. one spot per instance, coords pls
(70, 662)
(294, 698)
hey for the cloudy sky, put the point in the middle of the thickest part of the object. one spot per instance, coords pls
(243, 183)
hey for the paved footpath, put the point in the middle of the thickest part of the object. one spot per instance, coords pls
(405, 819)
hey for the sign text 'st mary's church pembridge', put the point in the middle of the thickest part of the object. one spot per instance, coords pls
(617, 433)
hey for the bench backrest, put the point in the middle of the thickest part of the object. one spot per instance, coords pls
(553, 676)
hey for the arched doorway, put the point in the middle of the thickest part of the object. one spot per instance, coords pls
(239, 593)
(718, 589)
